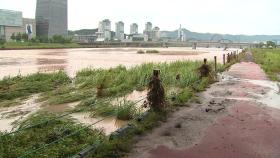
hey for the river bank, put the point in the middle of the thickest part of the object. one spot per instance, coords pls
(58, 111)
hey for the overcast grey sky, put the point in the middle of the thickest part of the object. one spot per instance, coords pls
(215, 16)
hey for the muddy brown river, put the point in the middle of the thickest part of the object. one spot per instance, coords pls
(23, 62)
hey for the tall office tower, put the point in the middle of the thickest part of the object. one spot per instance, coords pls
(52, 17)
(120, 30)
(134, 28)
(148, 32)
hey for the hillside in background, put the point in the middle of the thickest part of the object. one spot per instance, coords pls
(198, 36)
(215, 37)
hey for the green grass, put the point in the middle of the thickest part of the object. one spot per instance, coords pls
(269, 59)
(28, 45)
(183, 97)
(124, 110)
(120, 80)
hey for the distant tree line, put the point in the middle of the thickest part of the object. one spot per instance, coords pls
(2, 41)
(19, 37)
(268, 44)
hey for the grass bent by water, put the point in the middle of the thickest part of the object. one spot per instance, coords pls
(95, 89)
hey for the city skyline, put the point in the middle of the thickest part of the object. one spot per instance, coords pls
(217, 16)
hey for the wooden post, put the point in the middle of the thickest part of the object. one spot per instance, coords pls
(224, 59)
(228, 58)
(215, 60)
(155, 96)
(156, 73)
(194, 45)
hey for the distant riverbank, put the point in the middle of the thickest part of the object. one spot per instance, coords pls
(26, 45)
(31, 45)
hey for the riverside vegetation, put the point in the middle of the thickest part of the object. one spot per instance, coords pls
(53, 136)
(20, 41)
(269, 61)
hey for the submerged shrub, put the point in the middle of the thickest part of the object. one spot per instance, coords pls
(152, 51)
(126, 110)
(140, 52)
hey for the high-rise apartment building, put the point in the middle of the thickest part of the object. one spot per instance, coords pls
(104, 30)
(133, 28)
(148, 26)
(156, 34)
(148, 32)
(120, 30)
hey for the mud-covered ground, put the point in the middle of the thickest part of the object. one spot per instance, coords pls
(238, 117)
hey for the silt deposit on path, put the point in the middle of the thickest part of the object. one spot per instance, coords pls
(239, 117)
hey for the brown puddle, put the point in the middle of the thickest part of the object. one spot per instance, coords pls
(108, 125)
(137, 97)
(111, 124)
(17, 113)
(61, 107)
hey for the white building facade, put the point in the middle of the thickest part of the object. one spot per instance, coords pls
(156, 34)
(104, 30)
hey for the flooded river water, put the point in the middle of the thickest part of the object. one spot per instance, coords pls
(14, 62)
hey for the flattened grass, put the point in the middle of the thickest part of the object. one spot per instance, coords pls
(57, 88)
(25, 141)
(24, 86)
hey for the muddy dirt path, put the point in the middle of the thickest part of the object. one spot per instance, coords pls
(239, 117)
